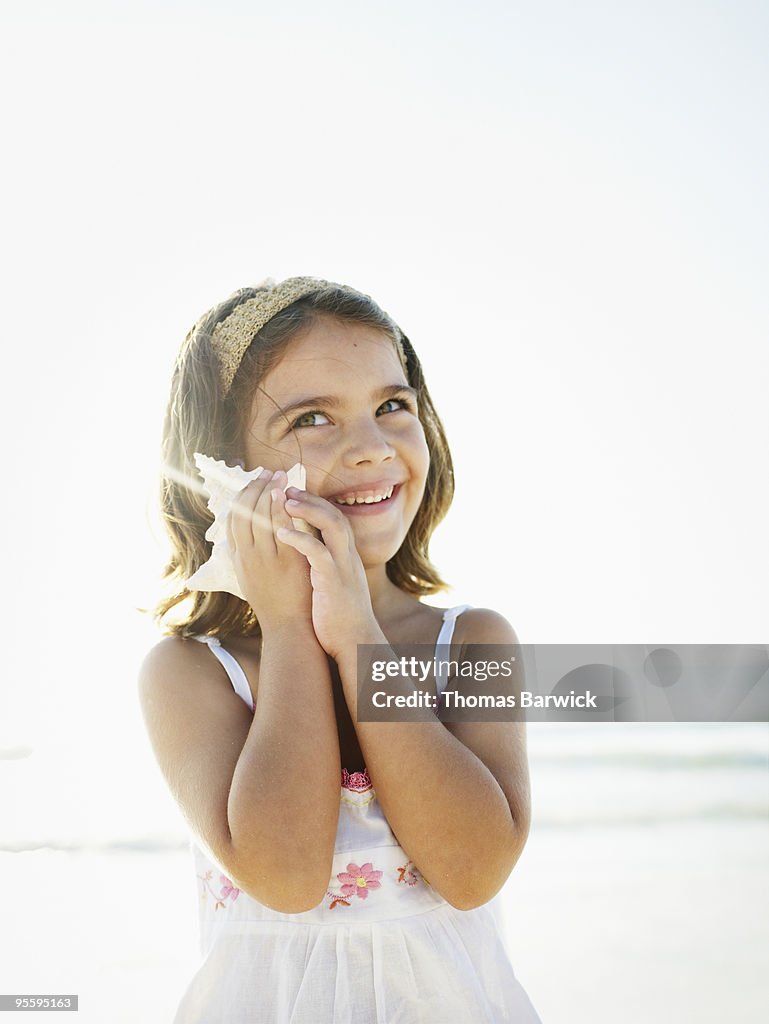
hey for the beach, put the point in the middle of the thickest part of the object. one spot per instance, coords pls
(642, 894)
(669, 924)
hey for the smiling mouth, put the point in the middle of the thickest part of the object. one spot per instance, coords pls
(367, 497)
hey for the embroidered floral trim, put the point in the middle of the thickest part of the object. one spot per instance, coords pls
(228, 889)
(355, 881)
(336, 901)
(409, 873)
(358, 800)
(358, 782)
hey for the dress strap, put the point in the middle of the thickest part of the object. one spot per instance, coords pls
(231, 666)
(237, 676)
(443, 645)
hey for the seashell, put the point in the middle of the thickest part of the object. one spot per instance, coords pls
(223, 484)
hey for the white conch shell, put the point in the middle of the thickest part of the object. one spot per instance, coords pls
(223, 484)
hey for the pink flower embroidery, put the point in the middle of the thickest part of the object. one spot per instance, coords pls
(407, 875)
(358, 782)
(228, 889)
(336, 901)
(356, 881)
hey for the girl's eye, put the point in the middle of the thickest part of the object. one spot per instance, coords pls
(310, 419)
(399, 403)
(306, 420)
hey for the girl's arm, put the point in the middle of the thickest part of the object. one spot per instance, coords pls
(458, 800)
(457, 795)
(261, 792)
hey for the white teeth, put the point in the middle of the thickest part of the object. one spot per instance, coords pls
(371, 500)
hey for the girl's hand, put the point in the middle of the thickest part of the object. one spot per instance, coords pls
(273, 578)
(341, 603)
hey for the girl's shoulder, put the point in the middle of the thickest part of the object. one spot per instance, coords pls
(483, 626)
(185, 664)
(169, 654)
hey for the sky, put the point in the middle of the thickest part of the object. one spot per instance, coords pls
(564, 207)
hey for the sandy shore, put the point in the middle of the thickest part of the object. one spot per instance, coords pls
(635, 924)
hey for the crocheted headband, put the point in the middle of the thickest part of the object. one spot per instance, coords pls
(232, 336)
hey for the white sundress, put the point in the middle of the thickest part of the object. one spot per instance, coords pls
(381, 948)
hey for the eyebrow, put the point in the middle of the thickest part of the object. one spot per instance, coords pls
(332, 402)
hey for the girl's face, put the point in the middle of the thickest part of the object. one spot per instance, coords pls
(340, 393)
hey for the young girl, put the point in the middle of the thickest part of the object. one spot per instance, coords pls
(321, 905)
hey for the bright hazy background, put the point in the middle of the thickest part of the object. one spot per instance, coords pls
(563, 204)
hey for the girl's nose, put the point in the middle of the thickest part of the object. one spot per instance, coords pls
(367, 443)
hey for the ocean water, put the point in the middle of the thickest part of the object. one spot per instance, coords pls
(643, 892)
(102, 790)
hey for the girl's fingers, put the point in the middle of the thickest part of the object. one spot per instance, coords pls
(242, 510)
(262, 525)
(315, 551)
(251, 510)
(280, 517)
(321, 514)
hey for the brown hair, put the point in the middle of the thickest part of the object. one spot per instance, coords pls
(198, 419)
